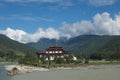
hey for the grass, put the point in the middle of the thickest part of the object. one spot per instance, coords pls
(98, 62)
(91, 62)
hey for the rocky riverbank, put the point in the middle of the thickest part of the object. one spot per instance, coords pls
(20, 69)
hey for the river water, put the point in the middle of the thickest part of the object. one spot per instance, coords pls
(3, 72)
(103, 72)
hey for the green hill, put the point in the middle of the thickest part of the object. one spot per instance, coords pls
(83, 44)
(113, 45)
(10, 48)
(92, 43)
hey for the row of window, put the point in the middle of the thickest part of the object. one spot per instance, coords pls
(53, 51)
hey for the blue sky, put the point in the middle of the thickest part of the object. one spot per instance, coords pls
(45, 18)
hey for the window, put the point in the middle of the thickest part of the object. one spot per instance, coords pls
(56, 51)
(50, 51)
(60, 51)
(46, 51)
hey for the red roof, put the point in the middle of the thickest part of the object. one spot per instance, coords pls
(51, 53)
(54, 49)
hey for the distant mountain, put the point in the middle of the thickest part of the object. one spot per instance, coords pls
(7, 45)
(43, 43)
(113, 45)
(92, 43)
(82, 44)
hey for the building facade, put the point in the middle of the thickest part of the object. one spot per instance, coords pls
(53, 52)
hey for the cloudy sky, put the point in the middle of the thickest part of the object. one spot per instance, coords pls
(29, 20)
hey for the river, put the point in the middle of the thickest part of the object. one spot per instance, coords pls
(103, 72)
(3, 72)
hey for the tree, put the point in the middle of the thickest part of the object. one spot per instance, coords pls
(86, 57)
(14, 71)
(60, 60)
(97, 56)
(69, 58)
(29, 59)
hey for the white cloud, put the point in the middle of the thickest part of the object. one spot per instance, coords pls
(45, 19)
(24, 37)
(78, 28)
(63, 3)
(25, 18)
(60, 3)
(28, 1)
(102, 24)
(102, 2)
(13, 34)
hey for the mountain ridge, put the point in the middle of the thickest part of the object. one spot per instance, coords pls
(82, 43)
(9, 46)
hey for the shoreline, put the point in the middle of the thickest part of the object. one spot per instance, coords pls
(6, 62)
(27, 69)
(21, 69)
